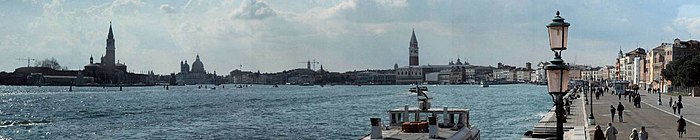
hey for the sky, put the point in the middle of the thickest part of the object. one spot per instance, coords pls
(342, 35)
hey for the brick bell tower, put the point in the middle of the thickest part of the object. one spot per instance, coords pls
(413, 50)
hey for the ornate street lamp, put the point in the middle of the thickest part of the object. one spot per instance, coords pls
(557, 71)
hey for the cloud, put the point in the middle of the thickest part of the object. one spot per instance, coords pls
(253, 9)
(167, 8)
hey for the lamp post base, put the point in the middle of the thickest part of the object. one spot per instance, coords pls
(591, 120)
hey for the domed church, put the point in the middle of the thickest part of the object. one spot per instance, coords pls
(196, 75)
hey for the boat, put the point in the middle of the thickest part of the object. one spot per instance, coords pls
(415, 89)
(426, 123)
(275, 85)
(306, 84)
(484, 84)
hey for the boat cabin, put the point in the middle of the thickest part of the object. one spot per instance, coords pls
(451, 117)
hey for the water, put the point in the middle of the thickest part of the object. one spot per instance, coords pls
(256, 112)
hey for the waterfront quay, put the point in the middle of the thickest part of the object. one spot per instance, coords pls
(574, 127)
(659, 120)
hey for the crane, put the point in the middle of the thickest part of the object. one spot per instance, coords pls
(309, 63)
(28, 60)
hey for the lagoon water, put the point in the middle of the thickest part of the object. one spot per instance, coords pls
(255, 112)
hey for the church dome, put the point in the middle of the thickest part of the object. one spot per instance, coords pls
(197, 66)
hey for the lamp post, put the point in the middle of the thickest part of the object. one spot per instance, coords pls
(557, 71)
(659, 101)
(591, 119)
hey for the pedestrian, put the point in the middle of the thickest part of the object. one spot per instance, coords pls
(629, 97)
(598, 135)
(638, 101)
(567, 106)
(634, 135)
(619, 96)
(670, 102)
(597, 95)
(610, 132)
(674, 107)
(679, 106)
(681, 126)
(643, 135)
(612, 113)
(620, 108)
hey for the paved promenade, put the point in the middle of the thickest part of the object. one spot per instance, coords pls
(574, 128)
(659, 121)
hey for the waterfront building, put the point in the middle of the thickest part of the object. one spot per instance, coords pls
(575, 73)
(524, 75)
(662, 55)
(606, 73)
(540, 73)
(414, 73)
(477, 74)
(195, 75)
(632, 65)
(243, 77)
(377, 77)
(505, 73)
(590, 73)
(108, 72)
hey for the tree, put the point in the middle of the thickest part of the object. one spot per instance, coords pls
(49, 63)
(684, 71)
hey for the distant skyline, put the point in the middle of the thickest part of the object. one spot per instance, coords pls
(343, 35)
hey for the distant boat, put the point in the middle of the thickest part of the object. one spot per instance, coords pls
(275, 85)
(484, 84)
(306, 84)
(415, 89)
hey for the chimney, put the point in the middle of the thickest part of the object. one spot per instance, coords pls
(376, 128)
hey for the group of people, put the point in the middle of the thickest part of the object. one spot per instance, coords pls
(675, 105)
(611, 133)
(620, 109)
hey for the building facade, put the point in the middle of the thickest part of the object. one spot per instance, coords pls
(195, 75)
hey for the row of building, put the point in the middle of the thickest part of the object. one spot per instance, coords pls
(639, 66)
(643, 67)
(106, 73)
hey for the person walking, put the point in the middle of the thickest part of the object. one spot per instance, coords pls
(643, 135)
(670, 102)
(674, 106)
(638, 101)
(681, 126)
(630, 96)
(680, 106)
(598, 134)
(634, 135)
(612, 113)
(620, 108)
(619, 96)
(610, 132)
